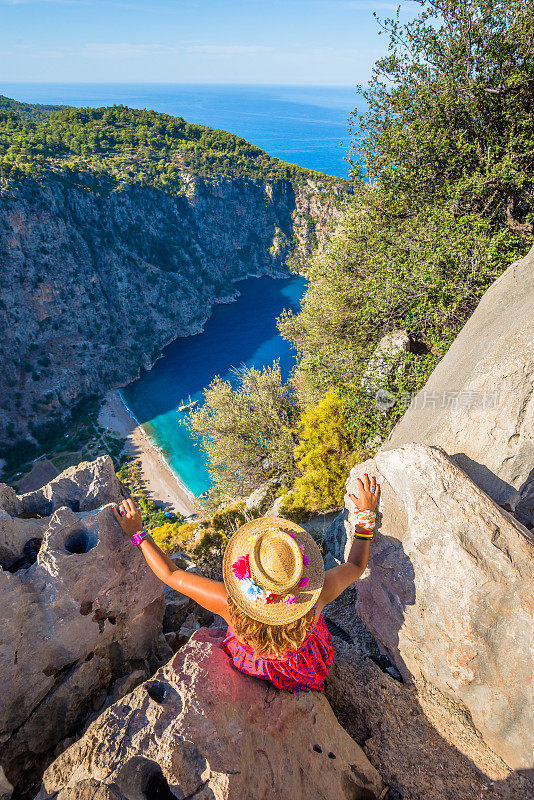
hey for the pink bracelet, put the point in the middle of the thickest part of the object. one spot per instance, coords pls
(137, 538)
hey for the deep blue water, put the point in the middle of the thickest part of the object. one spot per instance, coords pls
(300, 124)
(240, 333)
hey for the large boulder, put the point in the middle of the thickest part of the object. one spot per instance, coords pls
(422, 744)
(25, 517)
(199, 728)
(83, 487)
(478, 404)
(79, 611)
(448, 590)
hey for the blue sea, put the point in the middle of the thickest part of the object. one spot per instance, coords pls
(301, 125)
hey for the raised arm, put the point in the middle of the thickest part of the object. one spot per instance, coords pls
(211, 595)
(338, 578)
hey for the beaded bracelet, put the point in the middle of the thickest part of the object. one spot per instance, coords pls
(365, 521)
(361, 534)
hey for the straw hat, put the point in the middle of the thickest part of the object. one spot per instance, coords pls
(273, 570)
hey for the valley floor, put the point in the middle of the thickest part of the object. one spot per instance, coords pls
(160, 481)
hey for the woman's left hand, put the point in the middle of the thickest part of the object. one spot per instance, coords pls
(368, 491)
(128, 516)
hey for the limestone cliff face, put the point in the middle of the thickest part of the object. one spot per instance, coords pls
(94, 282)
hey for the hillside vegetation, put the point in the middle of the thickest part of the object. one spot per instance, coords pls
(130, 145)
(35, 112)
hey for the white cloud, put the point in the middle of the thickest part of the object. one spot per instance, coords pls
(125, 50)
(228, 49)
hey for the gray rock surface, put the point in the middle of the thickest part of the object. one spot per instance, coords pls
(478, 404)
(448, 590)
(86, 612)
(6, 789)
(95, 281)
(199, 728)
(385, 360)
(83, 487)
(25, 517)
(42, 472)
(262, 496)
(422, 744)
(274, 509)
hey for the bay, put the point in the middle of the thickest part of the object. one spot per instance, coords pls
(305, 125)
(238, 334)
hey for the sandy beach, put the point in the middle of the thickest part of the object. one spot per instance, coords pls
(160, 481)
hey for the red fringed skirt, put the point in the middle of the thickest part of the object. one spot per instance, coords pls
(303, 669)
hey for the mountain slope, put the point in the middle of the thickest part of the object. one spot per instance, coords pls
(109, 254)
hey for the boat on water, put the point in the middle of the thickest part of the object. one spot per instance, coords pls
(184, 406)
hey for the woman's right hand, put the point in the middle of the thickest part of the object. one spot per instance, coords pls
(368, 491)
(128, 516)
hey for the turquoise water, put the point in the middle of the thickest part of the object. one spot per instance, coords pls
(300, 124)
(240, 333)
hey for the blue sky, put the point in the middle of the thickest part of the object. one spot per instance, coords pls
(308, 42)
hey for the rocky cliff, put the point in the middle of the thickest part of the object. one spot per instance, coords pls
(200, 729)
(80, 613)
(97, 277)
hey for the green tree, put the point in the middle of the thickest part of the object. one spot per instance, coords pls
(443, 199)
(450, 111)
(247, 431)
(323, 456)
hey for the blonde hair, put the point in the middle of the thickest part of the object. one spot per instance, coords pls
(272, 641)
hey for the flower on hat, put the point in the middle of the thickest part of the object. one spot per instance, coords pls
(241, 568)
(304, 582)
(270, 598)
(251, 590)
(290, 598)
(305, 561)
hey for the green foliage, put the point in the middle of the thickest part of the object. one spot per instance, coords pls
(324, 456)
(208, 551)
(229, 517)
(448, 153)
(90, 146)
(172, 536)
(424, 273)
(17, 454)
(35, 112)
(451, 110)
(247, 432)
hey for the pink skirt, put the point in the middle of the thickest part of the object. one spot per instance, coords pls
(301, 670)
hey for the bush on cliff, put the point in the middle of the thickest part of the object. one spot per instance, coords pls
(324, 456)
(443, 201)
(247, 431)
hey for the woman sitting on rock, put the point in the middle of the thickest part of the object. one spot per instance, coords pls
(275, 588)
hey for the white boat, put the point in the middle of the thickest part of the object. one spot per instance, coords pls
(185, 406)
